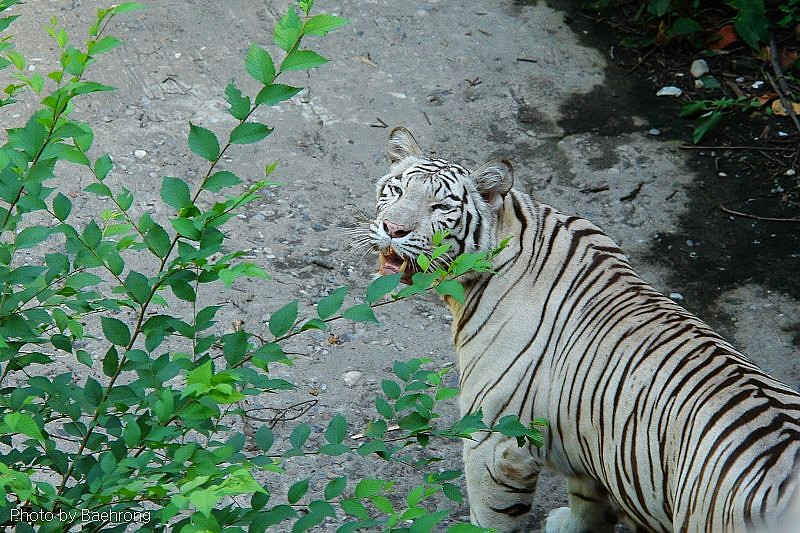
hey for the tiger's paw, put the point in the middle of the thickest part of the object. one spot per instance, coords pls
(559, 520)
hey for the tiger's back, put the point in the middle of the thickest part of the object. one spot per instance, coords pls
(651, 413)
(714, 441)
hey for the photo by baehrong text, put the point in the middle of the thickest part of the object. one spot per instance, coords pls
(83, 515)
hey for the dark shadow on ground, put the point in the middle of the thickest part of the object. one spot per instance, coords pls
(712, 251)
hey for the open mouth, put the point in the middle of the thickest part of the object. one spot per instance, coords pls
(391, 263)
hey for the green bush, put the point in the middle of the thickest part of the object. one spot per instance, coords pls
(697, 20)
(144, 432)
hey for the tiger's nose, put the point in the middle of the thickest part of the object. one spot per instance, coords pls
(395, 230)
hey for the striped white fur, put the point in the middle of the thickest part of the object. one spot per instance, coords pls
(653, 416)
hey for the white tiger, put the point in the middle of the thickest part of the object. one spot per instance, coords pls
(652, 416)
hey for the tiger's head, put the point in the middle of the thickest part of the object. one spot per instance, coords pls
(420, 196)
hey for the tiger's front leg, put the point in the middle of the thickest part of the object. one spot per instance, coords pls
(589, 510)
(501, 479)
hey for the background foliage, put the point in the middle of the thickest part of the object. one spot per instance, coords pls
(149, 421)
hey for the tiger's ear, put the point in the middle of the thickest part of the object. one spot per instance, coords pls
(402, 144)
(493, 180)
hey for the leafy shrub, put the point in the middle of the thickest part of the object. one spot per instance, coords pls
(698, 20)
(143, 431)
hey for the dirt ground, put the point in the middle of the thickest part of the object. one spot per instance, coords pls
(472, 80)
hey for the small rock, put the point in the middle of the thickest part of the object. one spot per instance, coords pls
(790, 172)
(669, 90)
(757, 85)
(698, 84)
(352, 378)
(178, 55)
(676, 296)
(722, 174)
(654, 132)
(699, 67)
(139, 154)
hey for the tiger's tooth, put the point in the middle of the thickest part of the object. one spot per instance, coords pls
(404, 265)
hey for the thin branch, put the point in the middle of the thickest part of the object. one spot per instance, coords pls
(765, 148)
(756, 217)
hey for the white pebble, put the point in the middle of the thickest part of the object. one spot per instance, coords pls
(352, 377)
(722, 174)
(139, 154)
(676, 296)
(178, 55)
(698, 84)
(790, 172)
(654, 132)
(699, 67)
(757, 85)
(669, 90)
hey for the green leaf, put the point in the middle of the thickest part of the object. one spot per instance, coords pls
(93, 392)
(299, 435)
(103, 166)
(383, 408)
(334, 449)
(331, 304)
(314, 323)
(111, 362)
(693, 109)
(369, 487)
(510, 426)
(126, 7)
(137, 286)
(423, 262)
(115, 330)
(203, 142)
(453, 288)
(103, 44)
(157, 240)
(323, 24)
(452, 492)
(30, 237)
(308, 521)
(282, 320)
(249, 132)
(705, 125)
(354, 508)
(382, 286)
(258, 64)
(302, 60)
(186, 228)
(287, 31)
(446, 393)
(175, 192)
(24, 424)
(62, 207)
(684, 26)
(6, 22)
(100, 189)
(465, 528)
(391, 389)
(275, 93)
(337, 430)
(264, 438)
(220, 180)
(751, 21)
(360, 313)
(335, 487)
(132, 434)
(297, 491)
(240, 105)
(415, 496)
